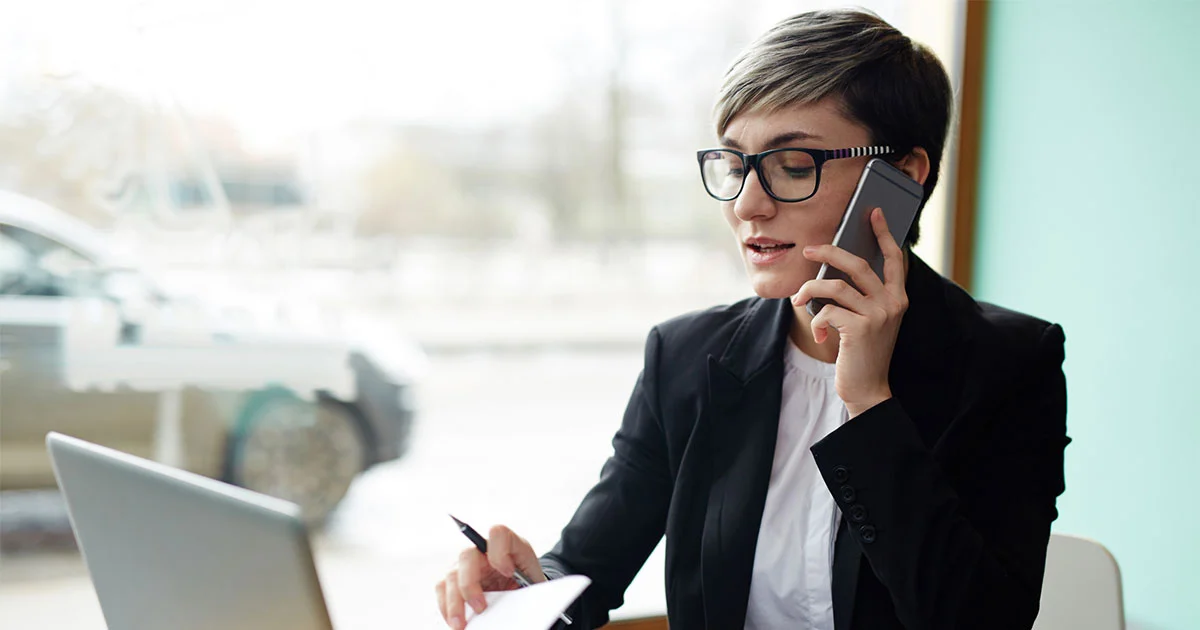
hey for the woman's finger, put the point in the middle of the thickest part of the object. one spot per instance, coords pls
(835, 317)
(859, 271)
(508, 552)
(893, 256)
(440, 589)
(837, 290)
(471, 567)
(455, 615)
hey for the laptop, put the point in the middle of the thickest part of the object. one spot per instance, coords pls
(171, 549)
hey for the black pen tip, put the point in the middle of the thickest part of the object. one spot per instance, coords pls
(460, 523)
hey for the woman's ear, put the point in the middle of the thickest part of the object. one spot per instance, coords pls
(916, 165)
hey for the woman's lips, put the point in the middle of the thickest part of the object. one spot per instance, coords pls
(765, 255)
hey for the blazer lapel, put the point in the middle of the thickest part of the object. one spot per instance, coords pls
(929, 352)
(744, 394)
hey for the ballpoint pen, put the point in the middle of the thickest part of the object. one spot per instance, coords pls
(481, 544)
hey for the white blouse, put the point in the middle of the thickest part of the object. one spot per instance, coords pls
(793, 561)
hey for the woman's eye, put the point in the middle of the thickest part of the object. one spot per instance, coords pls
(799, 173)
(735, 172)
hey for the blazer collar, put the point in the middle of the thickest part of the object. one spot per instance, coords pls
(929, 329)
(759, 340)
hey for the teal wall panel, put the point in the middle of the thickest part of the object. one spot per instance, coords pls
(1089, 215)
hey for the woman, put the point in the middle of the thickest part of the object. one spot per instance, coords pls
(892, 462)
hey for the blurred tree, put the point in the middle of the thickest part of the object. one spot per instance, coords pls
(567, 173)
(76, 147)
(406, 193)
(625, 221)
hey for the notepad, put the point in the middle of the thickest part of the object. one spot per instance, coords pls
(531, 608)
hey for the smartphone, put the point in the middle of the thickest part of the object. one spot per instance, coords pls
(881, 186)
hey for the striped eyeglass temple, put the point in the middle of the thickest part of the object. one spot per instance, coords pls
(858, 152)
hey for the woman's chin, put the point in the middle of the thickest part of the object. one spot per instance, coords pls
(779, 281)
(775, 288)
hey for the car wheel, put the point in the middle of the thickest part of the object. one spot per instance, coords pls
(301, 451)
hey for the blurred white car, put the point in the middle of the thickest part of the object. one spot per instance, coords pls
(92, 348)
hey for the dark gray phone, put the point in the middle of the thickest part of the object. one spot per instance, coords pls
(881, 186)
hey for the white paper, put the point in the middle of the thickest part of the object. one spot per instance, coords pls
(534, 607)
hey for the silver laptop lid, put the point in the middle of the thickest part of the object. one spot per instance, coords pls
(170, 549)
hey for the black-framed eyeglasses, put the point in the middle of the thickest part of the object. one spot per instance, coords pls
(788, 175)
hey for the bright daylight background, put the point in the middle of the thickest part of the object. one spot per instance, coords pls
(509, 187)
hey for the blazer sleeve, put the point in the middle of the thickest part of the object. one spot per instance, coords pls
(943, 569)
(622, 518)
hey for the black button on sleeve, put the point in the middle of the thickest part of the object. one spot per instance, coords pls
(867, 533)
(841, 474)
(847, 493)
(858, 513)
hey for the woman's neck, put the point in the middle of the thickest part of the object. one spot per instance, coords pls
(801, 335)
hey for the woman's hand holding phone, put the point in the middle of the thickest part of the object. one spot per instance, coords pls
(866, 319)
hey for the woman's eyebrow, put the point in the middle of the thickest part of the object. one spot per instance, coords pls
(773, 143)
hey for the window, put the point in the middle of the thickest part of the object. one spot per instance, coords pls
(31, 264)
(16, 263)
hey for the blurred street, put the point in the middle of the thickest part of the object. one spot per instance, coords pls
(513, 438)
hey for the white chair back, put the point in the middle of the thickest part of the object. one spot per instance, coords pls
(1082, 587)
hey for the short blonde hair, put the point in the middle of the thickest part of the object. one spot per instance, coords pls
(893, 86)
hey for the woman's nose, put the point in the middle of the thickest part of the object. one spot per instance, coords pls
(753, 203)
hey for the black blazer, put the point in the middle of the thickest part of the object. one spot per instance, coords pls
(947, 490)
